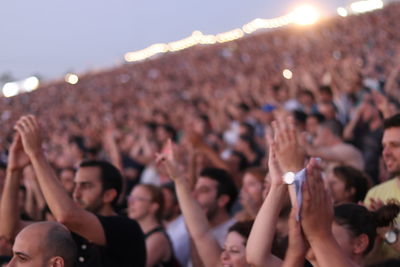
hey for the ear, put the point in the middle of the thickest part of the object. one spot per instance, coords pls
(56, 262)
(360, 244)
(109, 195)
(223, 200)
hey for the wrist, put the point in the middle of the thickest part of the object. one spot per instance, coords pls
(36, 155)
(14, 170)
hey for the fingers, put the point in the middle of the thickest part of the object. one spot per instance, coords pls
(27, 124)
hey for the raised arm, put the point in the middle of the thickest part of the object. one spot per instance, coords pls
(195, 218)
(316, 221)
(284, 155)
(76, 219)
(298, 245)
(10, 222)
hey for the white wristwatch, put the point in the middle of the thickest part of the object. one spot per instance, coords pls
(391, 236)
(289, 177)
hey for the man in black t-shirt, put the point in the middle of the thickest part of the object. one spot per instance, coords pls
(104, 239)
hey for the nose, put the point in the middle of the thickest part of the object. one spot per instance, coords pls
(11, 263)
(77, 192)
(224, 255)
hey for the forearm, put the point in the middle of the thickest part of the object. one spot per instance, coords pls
(328, 252)
(195, 217)
(259, 244)
(293, 260)
(198, 225)
(60, 204)
(9, 212)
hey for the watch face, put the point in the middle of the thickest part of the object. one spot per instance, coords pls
(288, 178)
(391, 237)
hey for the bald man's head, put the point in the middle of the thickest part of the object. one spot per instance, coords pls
(44, 244)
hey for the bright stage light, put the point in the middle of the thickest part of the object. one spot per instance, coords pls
(287, 74)
(366, 6)
(342, 11)
(30, 84)
(71, 78)
(10, 89)
(305, 15)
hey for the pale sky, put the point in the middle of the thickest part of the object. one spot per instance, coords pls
(52, 37)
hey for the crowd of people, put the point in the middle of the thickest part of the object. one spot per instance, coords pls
(210, 157)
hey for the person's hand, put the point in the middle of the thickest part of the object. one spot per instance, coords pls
(274, 169)
(289, 153)
(29, 130)
(298, 244)
(167, 160)
(17, 158)
(317, 206)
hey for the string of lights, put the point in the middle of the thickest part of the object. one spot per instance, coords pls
(303, 15)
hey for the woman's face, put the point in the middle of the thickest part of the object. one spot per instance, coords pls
(139, 203)
(252, 188)
(338, 189)
(234, 251)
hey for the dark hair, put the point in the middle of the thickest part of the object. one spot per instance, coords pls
(243, 106)
(110, 176)
(353, 178)
(359, 220)
(3, 165)
(170, 130)
(386, 263)
(334, 127)
(59, 242)
(226, 186)
(249, 140)
(242, 228)
(392, 122)
(318, 116)
(326, 89)
(258, 172)
(79, 142)
(157, 197)
(249, 128)
(307, 93)
(243, 162)
(170, 186)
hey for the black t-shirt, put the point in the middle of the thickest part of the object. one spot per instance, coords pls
(125, 245)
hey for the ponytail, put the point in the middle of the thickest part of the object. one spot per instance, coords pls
(359, 220)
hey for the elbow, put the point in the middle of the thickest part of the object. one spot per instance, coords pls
(65, 217)
(251, 259)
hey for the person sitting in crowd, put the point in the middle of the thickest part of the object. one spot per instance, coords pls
(347, 184)
(198, 221)
(251, 194)
(146, 206)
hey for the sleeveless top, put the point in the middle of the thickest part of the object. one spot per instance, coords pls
(172, 262)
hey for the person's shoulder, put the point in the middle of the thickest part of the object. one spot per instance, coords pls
(384, 185)
(120, 223)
